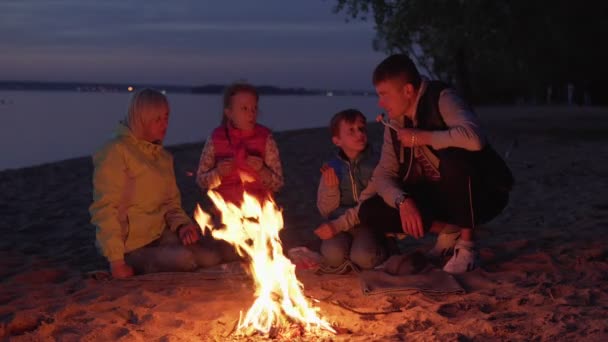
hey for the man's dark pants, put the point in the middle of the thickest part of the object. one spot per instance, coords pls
(465, 196)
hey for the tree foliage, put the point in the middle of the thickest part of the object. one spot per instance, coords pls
(494, 50)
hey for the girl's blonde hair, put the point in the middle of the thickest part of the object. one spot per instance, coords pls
(233, 89)
(141, 112)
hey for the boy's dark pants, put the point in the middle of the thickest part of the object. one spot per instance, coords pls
(360, 245)
(464, 196)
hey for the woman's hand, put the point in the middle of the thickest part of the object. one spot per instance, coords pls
(120, 269)
(188, 234)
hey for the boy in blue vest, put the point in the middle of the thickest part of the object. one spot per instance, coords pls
(437, 172)
(345, 182)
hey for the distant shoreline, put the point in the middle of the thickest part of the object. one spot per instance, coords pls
(215, 89)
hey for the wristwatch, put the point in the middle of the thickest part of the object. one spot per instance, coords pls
(400, 199)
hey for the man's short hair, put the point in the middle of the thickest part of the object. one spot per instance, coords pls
(398, 66)
(347, 115)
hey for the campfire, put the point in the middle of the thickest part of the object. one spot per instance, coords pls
(280, 307)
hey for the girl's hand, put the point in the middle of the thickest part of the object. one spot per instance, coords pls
(120, 269)
(225, 167)
(255, 163)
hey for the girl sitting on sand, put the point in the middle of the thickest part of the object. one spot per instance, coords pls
(240, 155)
(141, 226)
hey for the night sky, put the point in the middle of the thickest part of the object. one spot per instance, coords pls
(286, 43)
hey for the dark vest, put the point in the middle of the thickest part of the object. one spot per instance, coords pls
(496, 172)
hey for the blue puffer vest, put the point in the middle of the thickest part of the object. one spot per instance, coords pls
(354, 176)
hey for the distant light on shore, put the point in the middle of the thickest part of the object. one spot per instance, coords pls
(130, 88)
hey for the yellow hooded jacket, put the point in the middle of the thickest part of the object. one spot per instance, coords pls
(135, 195)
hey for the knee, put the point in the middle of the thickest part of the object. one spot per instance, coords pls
(367, 258)
(492, 207)
(183, 260)
(335, 251)
(455, 162)
(170, 259)
(366, 250)
(205, 257)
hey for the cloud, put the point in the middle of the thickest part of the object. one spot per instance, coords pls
(272, 27)
(183, 42)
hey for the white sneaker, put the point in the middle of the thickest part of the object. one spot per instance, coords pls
(463, 260)
(444, 245)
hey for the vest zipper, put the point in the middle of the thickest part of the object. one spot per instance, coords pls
(353, 185)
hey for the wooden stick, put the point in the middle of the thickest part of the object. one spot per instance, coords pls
(344, 306)
(389, 125)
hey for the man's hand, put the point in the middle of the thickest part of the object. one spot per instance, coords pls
(225, 167)
(411, 221)
(120, 269)
(255, 163)
(188, 234)
(325, 231)
(329, 177)
(405, 136)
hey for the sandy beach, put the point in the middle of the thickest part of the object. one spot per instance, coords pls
(544, 273)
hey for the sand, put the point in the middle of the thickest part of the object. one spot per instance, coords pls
(544, 273)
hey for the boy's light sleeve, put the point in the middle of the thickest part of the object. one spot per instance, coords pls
(272, 171)
(207, 176)
(328, 198)
(350, 218)
(109, 179)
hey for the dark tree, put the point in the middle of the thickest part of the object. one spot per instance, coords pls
(494, 50)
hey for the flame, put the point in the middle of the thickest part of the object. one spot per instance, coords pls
(254, 230)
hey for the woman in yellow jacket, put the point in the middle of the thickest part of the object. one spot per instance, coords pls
(141, 226)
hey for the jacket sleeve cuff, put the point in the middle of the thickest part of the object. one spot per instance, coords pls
(346, 221)
(179, 223)
(115, 257)
(390, 197)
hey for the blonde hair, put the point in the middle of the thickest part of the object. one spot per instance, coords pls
(233, 89)
(140, 114)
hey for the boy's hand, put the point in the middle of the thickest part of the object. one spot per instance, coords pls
(325, 231)
(329, 177)
(255, 163)
(411, 221)
(120, 269)
(188, 234)
(225, 167)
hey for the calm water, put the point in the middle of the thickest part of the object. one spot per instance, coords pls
(41, 127)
